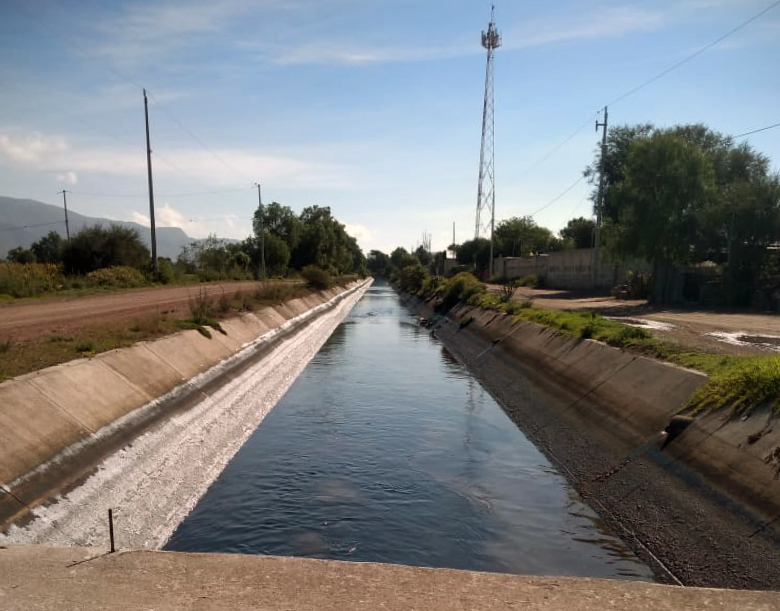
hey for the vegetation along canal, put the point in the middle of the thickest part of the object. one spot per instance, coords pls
(387, 450)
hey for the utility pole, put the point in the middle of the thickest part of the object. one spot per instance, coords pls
(600, 200)
(453, 233)
(151, 187)
(262, 229)
(65, 204)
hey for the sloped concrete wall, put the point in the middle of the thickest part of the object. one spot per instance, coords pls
(45, 412)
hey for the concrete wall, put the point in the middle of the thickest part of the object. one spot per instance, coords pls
(569, 269)
(68, 406)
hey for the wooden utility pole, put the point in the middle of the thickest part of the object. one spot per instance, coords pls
(600, 200)
(65, 204)
(262, 229)
(151, 187)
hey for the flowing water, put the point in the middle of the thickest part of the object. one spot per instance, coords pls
(386, 449)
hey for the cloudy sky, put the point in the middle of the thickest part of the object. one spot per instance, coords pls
(371, 107)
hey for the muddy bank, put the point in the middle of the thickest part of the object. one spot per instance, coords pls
(700, 509)
(146, 407)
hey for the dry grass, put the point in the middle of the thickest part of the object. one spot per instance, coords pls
(17, 358)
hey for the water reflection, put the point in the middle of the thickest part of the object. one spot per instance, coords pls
(386, 449)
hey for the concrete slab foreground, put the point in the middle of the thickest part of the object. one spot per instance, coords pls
(84, 579)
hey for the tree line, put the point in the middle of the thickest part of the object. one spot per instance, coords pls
(289, 241)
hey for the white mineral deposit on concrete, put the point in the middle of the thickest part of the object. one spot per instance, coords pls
(154, 482)
(643, 323)
(739, 338)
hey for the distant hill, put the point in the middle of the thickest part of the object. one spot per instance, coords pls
(23, 221)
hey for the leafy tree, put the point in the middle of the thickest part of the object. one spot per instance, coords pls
(20, 255)
(667, 187)
(378, 263)
(49, 248)
(280, 221)
(579, 232)
(277, 255)
(96, 247)
(521, 237)
(619, 140)
(475, 252)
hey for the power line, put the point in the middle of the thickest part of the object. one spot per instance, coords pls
(755, 131)
(661, 74)
(693, 55)
(555, 199)
(196, 139)
(32, 226)
(187, 194)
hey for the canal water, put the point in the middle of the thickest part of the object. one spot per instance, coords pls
(386, 449)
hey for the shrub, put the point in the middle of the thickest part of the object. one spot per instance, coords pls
(119, 276)
(316, 278)
(460, 289)
(531, 281)
(29, 279)
(95, 248)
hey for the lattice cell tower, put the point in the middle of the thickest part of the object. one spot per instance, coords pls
(486, 188)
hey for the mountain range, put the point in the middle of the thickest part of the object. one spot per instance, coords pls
(24, 221)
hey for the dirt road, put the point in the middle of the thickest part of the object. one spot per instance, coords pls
(35, 319)
(719, 331)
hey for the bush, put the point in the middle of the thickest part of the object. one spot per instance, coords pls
(531, 281)
(316, 278)
(95, 248)
(29, 279)
(119, 276)
(460, 289)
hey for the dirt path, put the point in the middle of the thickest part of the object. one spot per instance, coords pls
(35, 319)
(729, 332)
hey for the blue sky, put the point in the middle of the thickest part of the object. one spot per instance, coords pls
(372, 108)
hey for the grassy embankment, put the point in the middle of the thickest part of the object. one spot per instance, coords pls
(738, 383)
(17, 358)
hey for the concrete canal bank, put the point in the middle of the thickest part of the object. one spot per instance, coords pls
(700, 507)
(81, 580)
(149, 427)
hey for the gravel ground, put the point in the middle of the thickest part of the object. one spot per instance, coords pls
(713, 331)
(62, 315)
(153, 483)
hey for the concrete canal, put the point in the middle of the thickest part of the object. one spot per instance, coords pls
(386, 449)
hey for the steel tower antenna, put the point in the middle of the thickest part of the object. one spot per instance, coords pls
(486, 188)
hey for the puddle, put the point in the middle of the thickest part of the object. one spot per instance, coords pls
(643, 323)
(743, 338)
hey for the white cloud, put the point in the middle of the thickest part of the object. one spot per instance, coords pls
(139, 218)
(55, 154)
(69, 178)
(32, 148)
(166, 216)
(360, 232)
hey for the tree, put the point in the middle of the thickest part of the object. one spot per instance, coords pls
(668, 185)
(20, 255)
(619, 140)
(48, 249)
(95, 248)
(280, 221)
(378, 263)
(521, 237)
(579, 232)
(475, 252)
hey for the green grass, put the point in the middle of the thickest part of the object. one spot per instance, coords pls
(738, 383)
